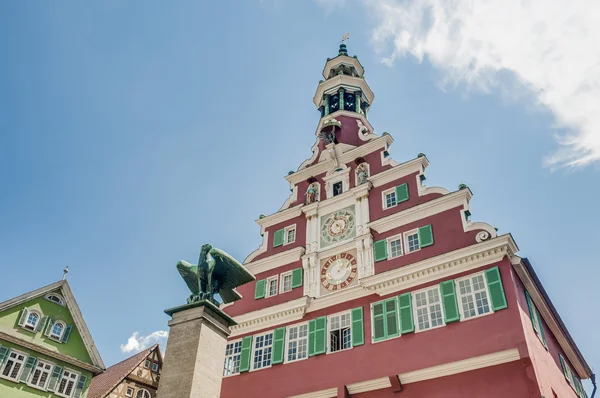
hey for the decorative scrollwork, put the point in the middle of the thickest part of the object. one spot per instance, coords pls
(482, 236)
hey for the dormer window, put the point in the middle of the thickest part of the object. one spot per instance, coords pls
(55, 298)
(32, 321)
(58, 329)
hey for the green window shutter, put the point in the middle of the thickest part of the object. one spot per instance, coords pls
(378, 317)
(449, 300)
(49, 326)
(23, 317)
(542, 332)
(297, 277)
(278, 237)
(312, 330)
(321, 335)
(358, 330)
(494, 283)
(41, 324)
(564, 366)
(54, 378)
(278, 345)
(402, 193)
(260, 289)
(407, 324)
(425, 236)
(380, 249)
(80, 386)
(531, 311)
(4, 351)
(390, 306)
(29, 365)
(245, 354)
(67, 334)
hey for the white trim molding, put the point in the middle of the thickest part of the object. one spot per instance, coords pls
(275, 261)
(280, 217)
(271, 316)
(416, 165)
(328, 393)
(261, 249)
(369, 385)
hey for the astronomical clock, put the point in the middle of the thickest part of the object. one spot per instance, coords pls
(338, 271)
(338, 226)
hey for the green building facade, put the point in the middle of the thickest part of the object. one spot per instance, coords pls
(46, 349)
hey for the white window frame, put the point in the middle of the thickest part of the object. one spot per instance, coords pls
(62, 333)
(142, 390)
(333, 177)
(239, 354)
(329, 330)
(459, 296)
(61, 300)
(72, 372)
(48, 372)
(428, 306)
(282, 280)
(147, 364)
(268, 286)
(272, 333)
(155, 367)
(286, 230)
(384, 198)
(389, 246)
(297, 339)
(34, 327)
(15, 361)
(129, 392)
(406, 235)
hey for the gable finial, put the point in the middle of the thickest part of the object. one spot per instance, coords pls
(343, 50)
(345, 38)
(65, 272)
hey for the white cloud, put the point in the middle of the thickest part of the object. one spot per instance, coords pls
(137, 343)
(551, 47)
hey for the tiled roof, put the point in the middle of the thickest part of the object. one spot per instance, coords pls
(104, 383)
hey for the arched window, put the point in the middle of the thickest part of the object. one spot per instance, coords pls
(32, 320)
(55, 298)
(57, 330)
(142, 393)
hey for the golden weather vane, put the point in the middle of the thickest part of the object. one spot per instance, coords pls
(344, 38)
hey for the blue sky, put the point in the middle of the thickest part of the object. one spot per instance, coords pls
(132, 134)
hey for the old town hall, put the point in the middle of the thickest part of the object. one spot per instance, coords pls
(371, 284)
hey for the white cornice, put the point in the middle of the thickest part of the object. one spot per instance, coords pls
(442, 266)
(342, 60)
(549, 318)
(328, 393)
(322, 167)
(427, 209)
(269, 317)
(369, 385)
(349, 294)
(261, 249)
(416, 165)
(343, 80)
(281, 216)
(276, 260)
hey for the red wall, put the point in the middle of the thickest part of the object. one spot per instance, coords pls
(461, 340)
(300, 222)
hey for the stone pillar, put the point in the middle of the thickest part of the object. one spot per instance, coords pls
(195, 351)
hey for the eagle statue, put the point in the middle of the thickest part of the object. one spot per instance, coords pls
(216, 273)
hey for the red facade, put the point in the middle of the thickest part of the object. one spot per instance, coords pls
(434, 305)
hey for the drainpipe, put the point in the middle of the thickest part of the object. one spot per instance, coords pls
(593, 378)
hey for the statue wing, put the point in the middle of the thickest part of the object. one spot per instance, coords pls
(189, 273)
(230, 274)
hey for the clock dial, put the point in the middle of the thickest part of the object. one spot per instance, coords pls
(338, 271)
(338, 226)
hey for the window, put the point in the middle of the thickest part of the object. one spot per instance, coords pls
(263, 346)
(32, 320)
(147, 364)
(155, 367)
(297, 343)
(129, 392)
(412, 241)
(271, 286)
(142, 394)
(67, 384)
(14, 365)
(394, 246)
(286, 282)
(385, 319)
(338, 188)
(41, 375)
(340, 335)
(290, 234)
(473, 296)
(55, 298)
(428, 309)
(390, 198)
(232, 358)
(57, 330)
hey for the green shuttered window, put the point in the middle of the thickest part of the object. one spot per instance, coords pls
(317, 336)
(384, 316)
(297, 278)
(492, 276)
(278, 345)
(278, 237)
(358, 330)
(54, 378)
(402, 193)
(80, 386)
(425, 236)
(380, 249)
(67, 334)
(449, 300)
(260, 289)
(4, 351)
(246, 354)
(29, 365)
(407, 324)
(536, 320)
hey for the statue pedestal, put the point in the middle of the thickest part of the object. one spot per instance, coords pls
(195, 351)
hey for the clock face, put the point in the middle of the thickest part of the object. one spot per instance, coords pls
(338, 271)
(338, 226)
